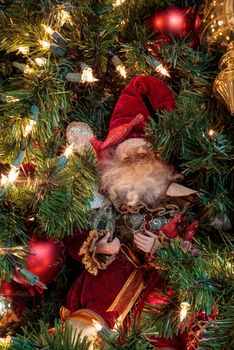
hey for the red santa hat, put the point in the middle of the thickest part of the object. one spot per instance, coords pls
(137, 103)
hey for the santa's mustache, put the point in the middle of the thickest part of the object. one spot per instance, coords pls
(140, 180)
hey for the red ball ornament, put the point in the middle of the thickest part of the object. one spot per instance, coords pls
(5, 288)
(46, 258)
(176, 22)
(155, 298)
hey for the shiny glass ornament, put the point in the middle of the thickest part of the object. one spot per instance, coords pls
(224, 83)
(217, 25)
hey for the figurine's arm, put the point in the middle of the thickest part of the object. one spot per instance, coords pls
(99, 249)
(103, 246)
(145, 242)
(97, 252)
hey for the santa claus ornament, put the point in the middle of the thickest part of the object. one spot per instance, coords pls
(142, 212)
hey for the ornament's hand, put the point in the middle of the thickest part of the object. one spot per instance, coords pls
(105, 247)
(145, 242)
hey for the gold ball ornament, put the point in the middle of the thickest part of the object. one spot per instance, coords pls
(217, 25)
(7, 315)
(78, 134)
(86, 321)
(224, 83)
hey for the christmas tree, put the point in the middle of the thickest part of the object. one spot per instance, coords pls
(63, 66)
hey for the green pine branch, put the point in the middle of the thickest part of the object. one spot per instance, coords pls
(135, 336)
(190, 279)
(13, 241)
(219, 334)
(64, 195)
(63, 339)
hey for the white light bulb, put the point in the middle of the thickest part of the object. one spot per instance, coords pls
(44, 44)
(4, 179)
(87, 75)
(12, 99)
(28, 127)
(68, 151)
(118, 3)
(13, 174)
(40, 61)
(160, 69)
(211, 132)
(122, 71)
(28, 70)
(184, 308)
(65, 16)
(48, 29)
(24, 49)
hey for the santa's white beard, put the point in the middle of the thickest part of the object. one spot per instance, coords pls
(140, 181)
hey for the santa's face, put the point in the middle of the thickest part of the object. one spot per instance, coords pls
(134, 175)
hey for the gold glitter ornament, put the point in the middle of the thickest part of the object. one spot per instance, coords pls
(78, 134)
(217, 25)
(224, 83)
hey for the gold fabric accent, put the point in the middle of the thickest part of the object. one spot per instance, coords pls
(87, 316)
(64, 313)
(92, 261)
(128, 295)
(161, 208)
(84, 250)
(131, 256)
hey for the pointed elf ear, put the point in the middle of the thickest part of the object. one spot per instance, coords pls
(176, 190)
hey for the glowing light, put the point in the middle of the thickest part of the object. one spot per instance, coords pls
(24, 49)
(4, 179)
(160, 69)
(120, 68)
(28, 127)
(13, 174)
(211, 133)
(28, 70)
(118, 3)
(65, 16)
(184, 308)
(87, 74)
(12, 99)
(25, 68)
(122, 71)
(44, 44)
(40, 61)
(68, 151)
(48, 29)
(220, 22)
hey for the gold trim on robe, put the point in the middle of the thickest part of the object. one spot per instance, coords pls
(128, 294)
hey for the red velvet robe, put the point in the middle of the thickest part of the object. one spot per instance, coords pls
(100, 292)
